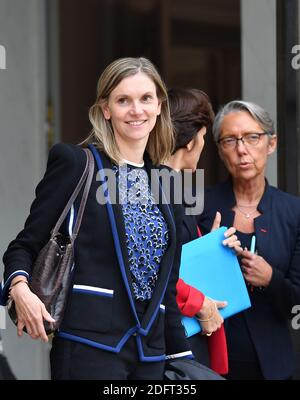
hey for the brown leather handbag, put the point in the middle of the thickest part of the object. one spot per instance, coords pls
(51, 273)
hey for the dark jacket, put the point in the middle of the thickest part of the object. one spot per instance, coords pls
(277, 233)
(101, 308)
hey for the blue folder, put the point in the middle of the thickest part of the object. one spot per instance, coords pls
(213, 268)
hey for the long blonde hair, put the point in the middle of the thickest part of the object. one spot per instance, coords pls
(161, 140)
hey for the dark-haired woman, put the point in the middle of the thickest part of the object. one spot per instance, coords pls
(192, 116)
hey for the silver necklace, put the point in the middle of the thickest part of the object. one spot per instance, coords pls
(247, 214)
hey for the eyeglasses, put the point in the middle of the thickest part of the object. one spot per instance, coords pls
(251, 139)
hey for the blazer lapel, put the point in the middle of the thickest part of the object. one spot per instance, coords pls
(117, 208)
(167, 260)
(190, 223)
(116, 216)
(263, 222)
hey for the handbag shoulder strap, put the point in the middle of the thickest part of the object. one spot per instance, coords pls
(85, 193)
(85, 177)
(113, 224)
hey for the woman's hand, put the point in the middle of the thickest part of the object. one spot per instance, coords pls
(256, 270)
(209, 317)
(231, 240)
(31, 312)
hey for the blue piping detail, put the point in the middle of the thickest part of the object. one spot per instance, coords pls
(190, 357)
(114, 229)
(93, 292)
(146, 331)
(147, 358)
(92, 343)
(4, 287)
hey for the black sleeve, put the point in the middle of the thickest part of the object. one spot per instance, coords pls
(64, 168)
(177, 345)
(283, 290)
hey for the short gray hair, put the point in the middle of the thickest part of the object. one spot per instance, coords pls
(260, 115)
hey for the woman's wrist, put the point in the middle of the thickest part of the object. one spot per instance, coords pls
(207, 311)
(17, 281)
(209, 318)
(13, 291)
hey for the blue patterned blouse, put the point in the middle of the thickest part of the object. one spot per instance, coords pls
(146, 229)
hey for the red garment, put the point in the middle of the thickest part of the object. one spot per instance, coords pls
(190, 300)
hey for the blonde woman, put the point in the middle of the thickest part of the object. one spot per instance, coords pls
(121, 320)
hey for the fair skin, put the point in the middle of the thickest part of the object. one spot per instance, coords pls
(187, 158)
(247, 165)
(30, 310)
(132, 108)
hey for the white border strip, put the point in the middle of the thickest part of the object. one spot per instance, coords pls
(15, 273)
(179, 355)
(71, 220)
(93, 289)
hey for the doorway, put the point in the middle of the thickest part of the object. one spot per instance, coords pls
(193, 43)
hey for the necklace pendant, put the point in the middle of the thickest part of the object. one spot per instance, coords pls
(247, 215)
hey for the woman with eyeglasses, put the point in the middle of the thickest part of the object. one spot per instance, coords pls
(268, 223)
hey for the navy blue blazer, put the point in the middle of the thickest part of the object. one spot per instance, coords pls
(101, 310)
(277, 232)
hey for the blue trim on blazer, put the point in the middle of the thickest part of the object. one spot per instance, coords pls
(5, 286)
(140, 330)
(92, 292)
(147, 358)
(146, 331)
(114, 230)
(80, 339)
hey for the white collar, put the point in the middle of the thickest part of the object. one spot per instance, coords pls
(134, 164)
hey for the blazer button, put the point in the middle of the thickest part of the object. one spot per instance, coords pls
(134, 334)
